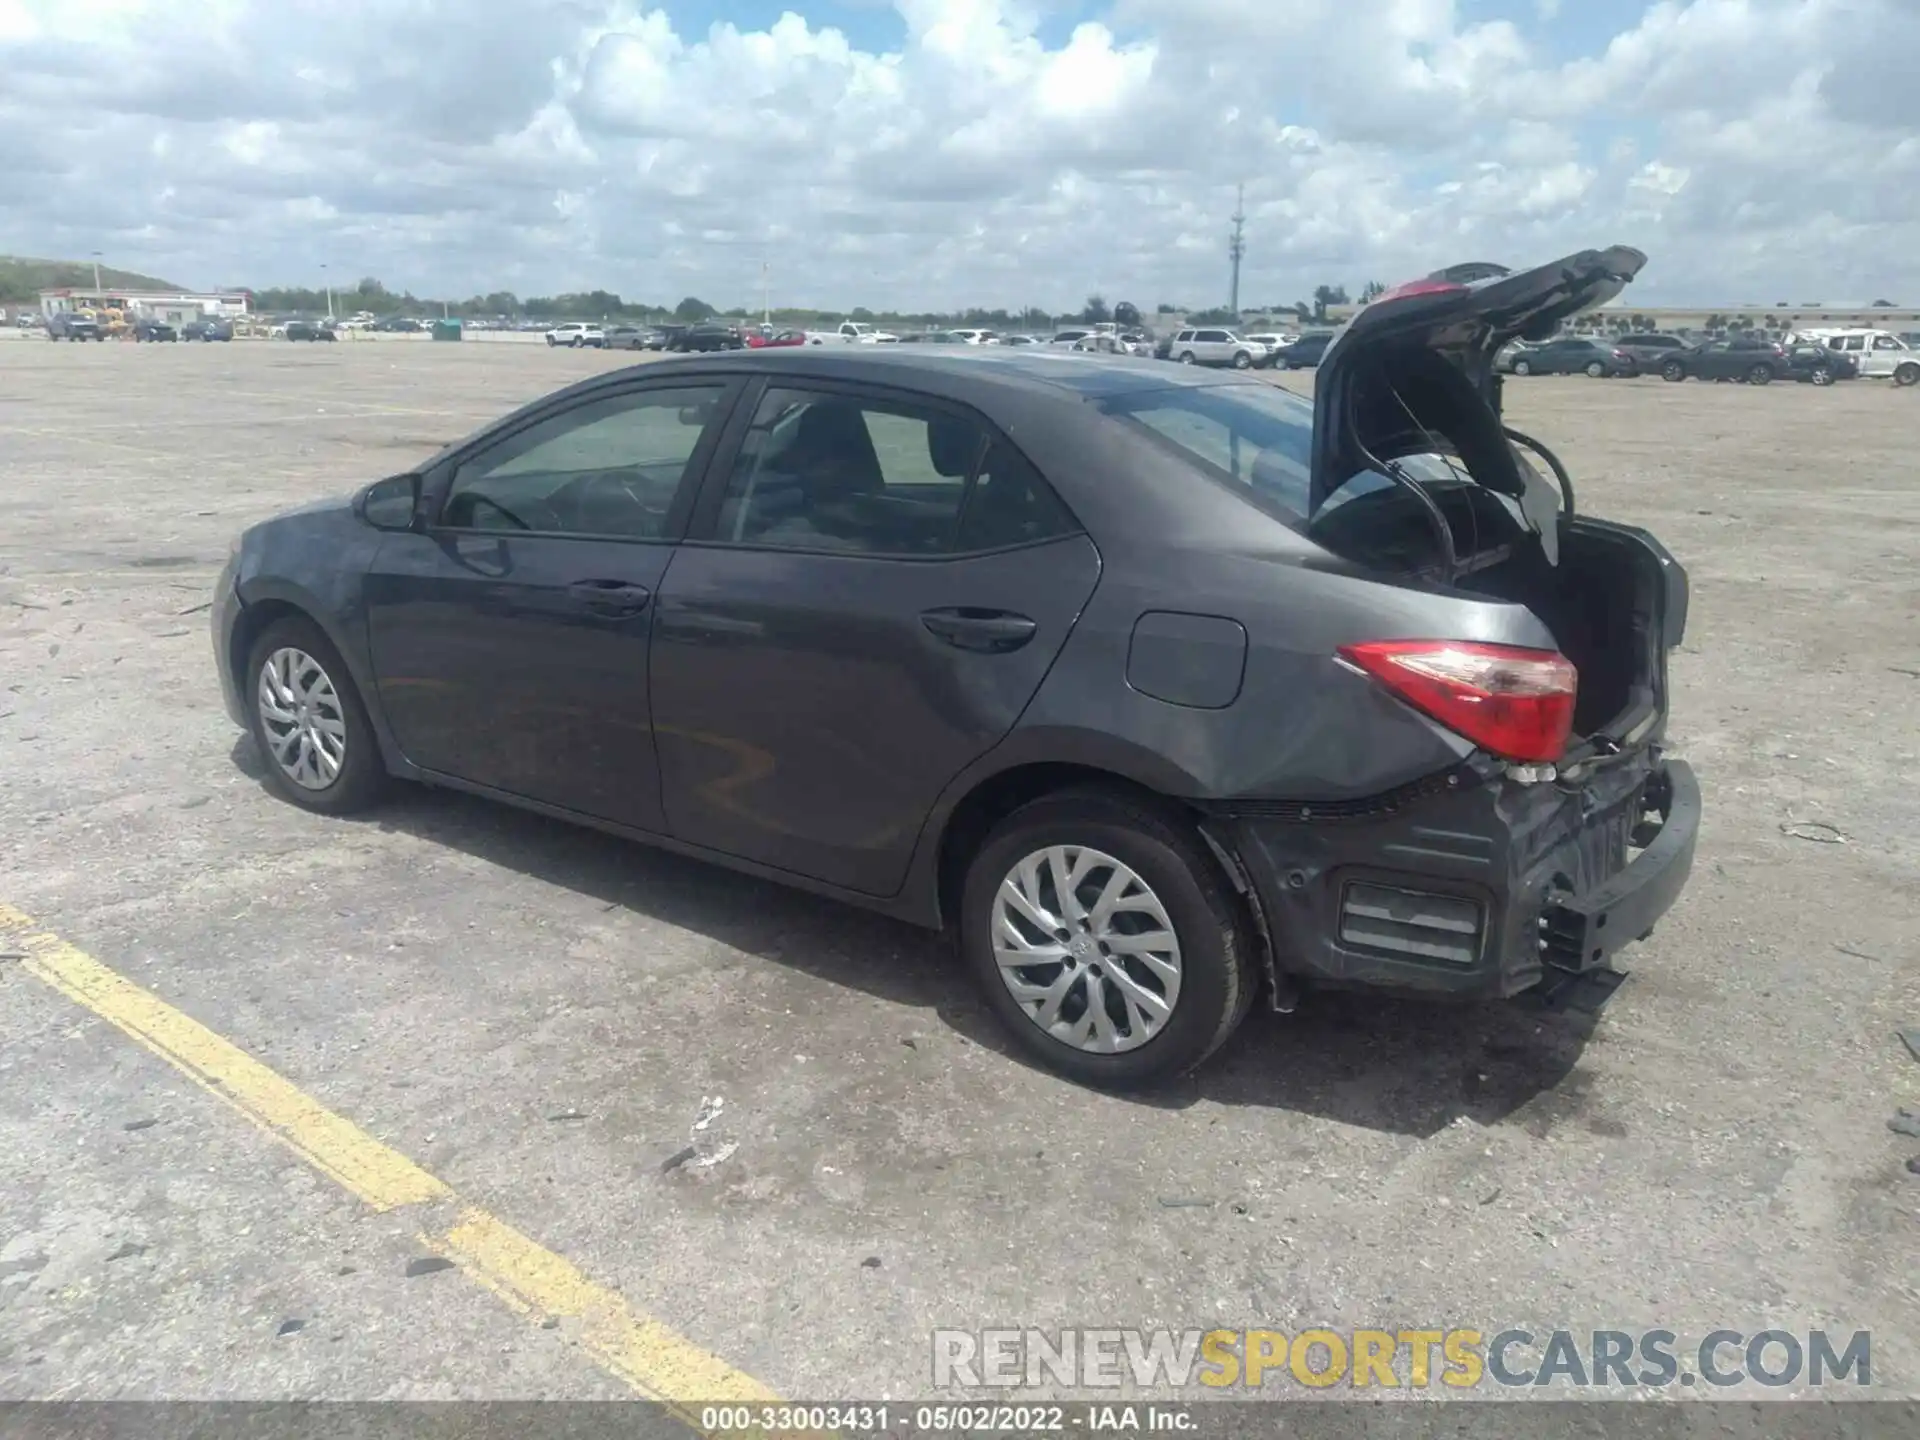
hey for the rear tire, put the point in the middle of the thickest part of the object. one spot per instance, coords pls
(1760, 375)
(361, 779)
(1210, 949)
(1242, 360)
(1673, 371)
(1820, 375)
(1522, 367)
(1186, 357)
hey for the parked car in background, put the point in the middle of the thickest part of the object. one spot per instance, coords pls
(1216, 346)
(624, 337)
(709, 335)
(1275, 341)
(577, 335)
(665, 335)
(308, 330)
(1066, 339)
(776, 339)
(65, 325)
(1508, 353)
(1649, 348)
(1020, 340)
(154, 330)
(1181, 702)
(207, 330)
(856, 332)
(1817, 365)
(1880, 354)
(397, 325)
(1304, 353)
(1573, 355)
(1754, 362)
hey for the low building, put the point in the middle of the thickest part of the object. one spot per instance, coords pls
(173, 307)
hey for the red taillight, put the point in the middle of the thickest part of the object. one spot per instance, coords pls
(1419, 287)
(1513, 702)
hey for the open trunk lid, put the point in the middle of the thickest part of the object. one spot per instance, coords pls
(1463, 316)
(1408, 437)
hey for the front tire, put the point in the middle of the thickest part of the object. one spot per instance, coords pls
(1760, 375)
(1242, 360)
(1153, 974)
(1907, 373)
(1186, 357)
(308, 722)
(1595, 370)
(1522, 367)
(1673, 371)
(1820, 375)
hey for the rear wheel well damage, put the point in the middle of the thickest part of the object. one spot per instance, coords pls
(998, 796)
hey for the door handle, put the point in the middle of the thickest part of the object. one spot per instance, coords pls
(614, 598)
(989, 632)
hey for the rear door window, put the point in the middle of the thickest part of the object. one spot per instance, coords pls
(825, 471)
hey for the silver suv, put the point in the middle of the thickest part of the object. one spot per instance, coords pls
(1216, 347)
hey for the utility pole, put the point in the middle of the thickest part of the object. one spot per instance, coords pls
(96, 274)
(766, 296)
(328, 280)
(1237, 246)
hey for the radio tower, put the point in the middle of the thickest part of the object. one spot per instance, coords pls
(1237, 246)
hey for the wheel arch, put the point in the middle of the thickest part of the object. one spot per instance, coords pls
(263, 604)
(1028, 764)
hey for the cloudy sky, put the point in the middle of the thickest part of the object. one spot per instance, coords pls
(921, 153)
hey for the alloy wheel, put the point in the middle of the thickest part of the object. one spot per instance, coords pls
(302, 719)
(1086, 949)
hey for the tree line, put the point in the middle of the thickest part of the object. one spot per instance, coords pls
(373, 297)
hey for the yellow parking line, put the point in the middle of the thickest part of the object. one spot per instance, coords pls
(527, 1277)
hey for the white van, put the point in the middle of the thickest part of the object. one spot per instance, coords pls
(1881, 353)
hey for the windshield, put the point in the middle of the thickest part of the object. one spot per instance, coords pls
(1258, 438)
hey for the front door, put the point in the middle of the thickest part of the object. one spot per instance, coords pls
(1881, 355)
(871, 592)
(510, 641)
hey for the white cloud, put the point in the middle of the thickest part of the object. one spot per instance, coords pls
(969, 151)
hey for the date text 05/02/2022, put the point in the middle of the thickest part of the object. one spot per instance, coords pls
(857, 1419)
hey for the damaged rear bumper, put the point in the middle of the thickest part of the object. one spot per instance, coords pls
(1469, 883)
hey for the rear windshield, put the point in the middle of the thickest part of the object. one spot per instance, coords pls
(1257, 438)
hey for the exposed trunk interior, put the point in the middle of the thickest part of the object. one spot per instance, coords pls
(1602, 603)
(1441, 495)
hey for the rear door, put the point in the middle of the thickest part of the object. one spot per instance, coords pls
(510, 640)
(874, 585)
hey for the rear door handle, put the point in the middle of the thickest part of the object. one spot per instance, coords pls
(614, 598)
(989, 632)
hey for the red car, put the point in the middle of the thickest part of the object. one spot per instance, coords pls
(760, 339)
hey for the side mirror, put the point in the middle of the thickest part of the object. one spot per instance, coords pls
(390, 504)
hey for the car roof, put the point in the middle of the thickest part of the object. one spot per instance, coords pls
(953, 369)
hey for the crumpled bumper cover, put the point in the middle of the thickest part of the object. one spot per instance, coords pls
(1469, 883)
